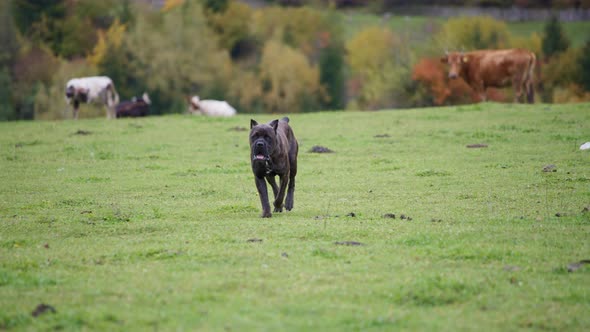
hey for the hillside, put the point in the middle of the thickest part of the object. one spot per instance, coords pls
(154, 223)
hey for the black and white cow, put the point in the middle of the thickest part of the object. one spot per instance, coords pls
(95, 89)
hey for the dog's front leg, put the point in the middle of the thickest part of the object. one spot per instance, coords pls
(263, 193)
(273, 184)
(281, 196)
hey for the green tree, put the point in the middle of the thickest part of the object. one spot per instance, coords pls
(554, 40)
(584, 67)
(216, 6)
(8, 51)
(332, 75)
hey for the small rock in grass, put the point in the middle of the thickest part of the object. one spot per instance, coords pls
(254, 240)
(352, 214)
(550, 168)
(389, 215)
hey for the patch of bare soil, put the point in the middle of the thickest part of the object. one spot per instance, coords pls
(572, 267)
(477, 146)
(348, 243)
(82, 132)
(42, 308)
(320, 149)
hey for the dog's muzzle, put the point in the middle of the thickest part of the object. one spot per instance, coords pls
(260, 151)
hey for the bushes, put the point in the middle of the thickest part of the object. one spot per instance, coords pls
(473, 33)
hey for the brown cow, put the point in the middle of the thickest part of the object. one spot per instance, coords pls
(494, 68)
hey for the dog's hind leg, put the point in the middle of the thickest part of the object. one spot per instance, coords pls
(263, 193)
(292, 174)
(279, 199)
(290, 193)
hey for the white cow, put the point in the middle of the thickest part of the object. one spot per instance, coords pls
(210, 107)
(95, 89)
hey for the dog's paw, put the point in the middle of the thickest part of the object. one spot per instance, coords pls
(266, 215)
(278, 209)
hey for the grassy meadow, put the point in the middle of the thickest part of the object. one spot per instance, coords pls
(153, 224)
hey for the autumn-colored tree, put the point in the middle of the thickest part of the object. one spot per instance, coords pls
(297, 27)
(377, 59)
(175, 54)
(472, 33)
(289, 82)
(232, 25)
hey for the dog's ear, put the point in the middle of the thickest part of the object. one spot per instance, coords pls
(253, 123)
(275, 124)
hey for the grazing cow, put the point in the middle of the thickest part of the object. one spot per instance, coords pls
(135, 107)
(210, 107)
(494, 68)
(96, 89)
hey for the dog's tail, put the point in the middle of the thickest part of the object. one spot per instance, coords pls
(285, 119)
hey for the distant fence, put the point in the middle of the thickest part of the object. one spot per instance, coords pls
(513, 14)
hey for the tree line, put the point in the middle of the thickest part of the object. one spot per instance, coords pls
(272, 59)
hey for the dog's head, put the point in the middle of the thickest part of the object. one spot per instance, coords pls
(263, 139)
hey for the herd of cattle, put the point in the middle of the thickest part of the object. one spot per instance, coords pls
(480, 69)
(100, 90)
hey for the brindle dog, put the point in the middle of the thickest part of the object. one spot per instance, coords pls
(273, 151)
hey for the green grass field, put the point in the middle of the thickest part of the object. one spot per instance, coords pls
(144, 224)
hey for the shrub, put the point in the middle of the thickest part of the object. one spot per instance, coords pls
(561, 71)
